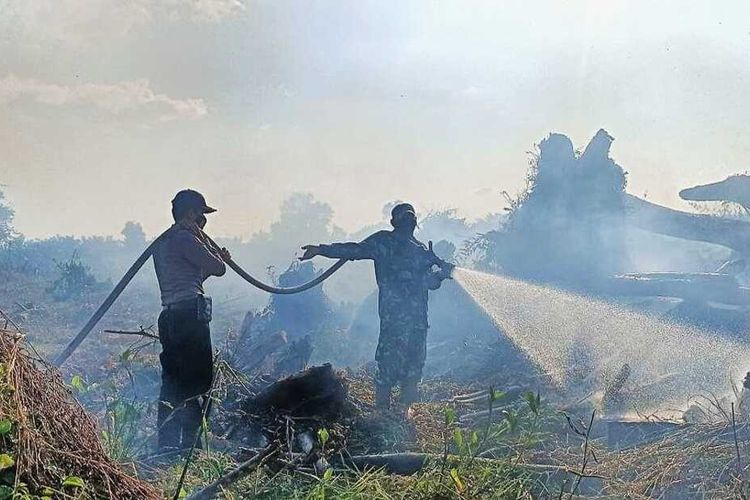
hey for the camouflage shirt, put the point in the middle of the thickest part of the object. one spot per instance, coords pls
(403, 270)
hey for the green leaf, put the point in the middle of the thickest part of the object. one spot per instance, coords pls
(328, 475)
(183, 493)
(458, 438)
(457, 481)
(474, 440)
(6, 492)
(6, 461)
(512, 419)
(323, 436)
(5, 426)
(497, 395)
(47, 493)
(78, 383)
(73, 482)
(450, 415)
(127, 355)
(534, 401)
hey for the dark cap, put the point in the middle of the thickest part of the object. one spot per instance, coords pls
(187, 198)
(401, 209)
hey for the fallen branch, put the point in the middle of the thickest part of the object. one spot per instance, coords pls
(471, 418)
(143, 332)
(242, 470)
(509, 394)
(410, 463)
(734, 234)
(404, 464)
(9, 321)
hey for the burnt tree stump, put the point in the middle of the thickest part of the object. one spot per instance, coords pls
(315, 392)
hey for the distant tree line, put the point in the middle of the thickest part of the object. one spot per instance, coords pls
(70, 263)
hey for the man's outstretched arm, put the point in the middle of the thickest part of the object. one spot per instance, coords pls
(366, 249)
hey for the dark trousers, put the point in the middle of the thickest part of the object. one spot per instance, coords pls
(186, 374)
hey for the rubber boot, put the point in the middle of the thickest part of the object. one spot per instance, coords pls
(192, 426)
(382, 397)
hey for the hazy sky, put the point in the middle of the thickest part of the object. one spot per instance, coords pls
(107, 107)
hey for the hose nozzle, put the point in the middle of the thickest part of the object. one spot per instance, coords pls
(446, 268)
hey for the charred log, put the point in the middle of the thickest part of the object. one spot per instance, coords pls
(316, 392)
(699, 287)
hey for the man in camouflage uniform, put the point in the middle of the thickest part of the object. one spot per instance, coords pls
(405, 269)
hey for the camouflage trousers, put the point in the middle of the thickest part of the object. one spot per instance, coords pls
(400, 355)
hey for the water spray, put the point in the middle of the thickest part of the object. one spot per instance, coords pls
(582, 342)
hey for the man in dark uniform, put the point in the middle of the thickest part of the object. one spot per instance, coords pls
(405, 270)
(183, 261)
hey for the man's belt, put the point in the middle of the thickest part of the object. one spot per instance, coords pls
(201, 305)
(183, 305)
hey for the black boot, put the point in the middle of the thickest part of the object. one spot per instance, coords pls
(192, 428)
(169, 427)
(382, 397)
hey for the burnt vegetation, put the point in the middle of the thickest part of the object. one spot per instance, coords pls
(292, 411)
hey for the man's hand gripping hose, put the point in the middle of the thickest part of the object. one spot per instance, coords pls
(128, 276)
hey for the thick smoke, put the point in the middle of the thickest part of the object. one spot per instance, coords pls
(573, 227)
(567, 227)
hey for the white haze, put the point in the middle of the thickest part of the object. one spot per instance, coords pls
(108, 107)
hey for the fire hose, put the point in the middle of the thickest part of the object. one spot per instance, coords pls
(130, 274)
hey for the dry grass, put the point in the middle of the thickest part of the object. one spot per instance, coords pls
(52, 437)
(696, 461)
